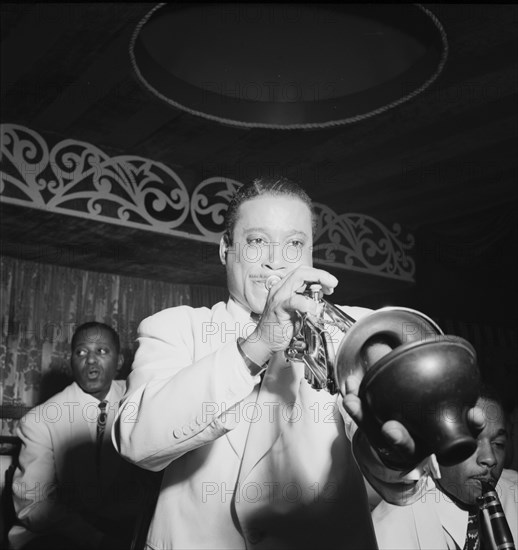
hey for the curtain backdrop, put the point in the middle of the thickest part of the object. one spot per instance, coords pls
(41, 306)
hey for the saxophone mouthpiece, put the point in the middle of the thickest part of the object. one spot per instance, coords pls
(271, 281)
(487, 486)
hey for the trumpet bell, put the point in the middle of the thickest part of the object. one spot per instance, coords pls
(413, 373)
(378, 333)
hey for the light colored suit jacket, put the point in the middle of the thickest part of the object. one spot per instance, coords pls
(434, 522)
(57, 484)
(247, 464)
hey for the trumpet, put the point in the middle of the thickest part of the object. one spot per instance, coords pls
(313, 344)
(410, 371)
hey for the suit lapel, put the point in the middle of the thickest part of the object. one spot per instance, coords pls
(428, 526)
(274, 406)
(242, 411)
(234, 320)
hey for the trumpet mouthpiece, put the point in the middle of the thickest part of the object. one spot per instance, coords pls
(271, 281)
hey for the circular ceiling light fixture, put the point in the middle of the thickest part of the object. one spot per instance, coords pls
(287, 66)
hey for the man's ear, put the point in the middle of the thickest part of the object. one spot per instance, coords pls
(120, 362)
(223, 248)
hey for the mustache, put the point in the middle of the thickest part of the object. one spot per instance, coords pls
(488, 476)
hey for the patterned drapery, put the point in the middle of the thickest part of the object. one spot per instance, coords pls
(41, 306)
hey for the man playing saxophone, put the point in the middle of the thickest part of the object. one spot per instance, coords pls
(253, 456)
(451, 512)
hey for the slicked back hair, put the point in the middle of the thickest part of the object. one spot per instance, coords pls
(264, 186)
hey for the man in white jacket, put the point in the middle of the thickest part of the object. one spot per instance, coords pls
(71, 489)
(438, 520)
(253, 456)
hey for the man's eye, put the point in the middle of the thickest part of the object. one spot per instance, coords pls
(258, 241)
(297, 243)
(499, 444)
(103, 351)
(81, 352)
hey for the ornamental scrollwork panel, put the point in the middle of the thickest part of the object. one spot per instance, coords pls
(78, 179)
(23, 153)
(361, 243)
(209, 202)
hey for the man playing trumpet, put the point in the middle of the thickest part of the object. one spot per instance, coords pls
(253, 456)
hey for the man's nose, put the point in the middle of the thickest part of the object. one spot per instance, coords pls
(91, 357)
(485, 455)
(273, 257)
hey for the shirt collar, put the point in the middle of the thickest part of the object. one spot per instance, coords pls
(111, 396)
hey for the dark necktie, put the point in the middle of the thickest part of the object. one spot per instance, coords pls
(101, 426)
(472, 532)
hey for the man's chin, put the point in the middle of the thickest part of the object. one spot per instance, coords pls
(91, 387)
(257, 306)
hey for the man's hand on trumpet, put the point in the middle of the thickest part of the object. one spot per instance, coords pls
(282, 312)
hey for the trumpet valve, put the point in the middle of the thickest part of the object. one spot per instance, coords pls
(299, 345)
(315, 291)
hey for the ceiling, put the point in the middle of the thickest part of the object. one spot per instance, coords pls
(450, 152)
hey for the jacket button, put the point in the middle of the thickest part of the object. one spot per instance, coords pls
(177, 433)
(186, 430)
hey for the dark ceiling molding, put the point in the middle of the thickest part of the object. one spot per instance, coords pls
(156, 55)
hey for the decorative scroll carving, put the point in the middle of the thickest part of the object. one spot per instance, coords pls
(361, 243)
(209, 203)
(78, 179)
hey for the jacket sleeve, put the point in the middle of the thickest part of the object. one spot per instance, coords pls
(37, 495)
(175, 400)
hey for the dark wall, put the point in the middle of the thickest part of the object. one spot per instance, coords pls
(469, 267)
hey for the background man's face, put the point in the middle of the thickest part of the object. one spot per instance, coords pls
(272, 235)
(95, 361)
(462, 481)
